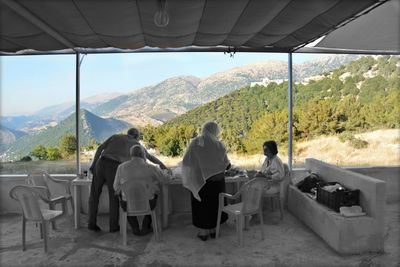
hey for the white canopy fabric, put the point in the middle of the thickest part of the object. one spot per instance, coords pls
(376, 32)
(68, 26)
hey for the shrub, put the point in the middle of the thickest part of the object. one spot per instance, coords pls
(53, 153)
(68, 144)
(353, 141)
(25, 159)
(345, 136)
(39, 152)
(358, 143)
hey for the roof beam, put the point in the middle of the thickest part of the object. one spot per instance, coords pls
(25, 13)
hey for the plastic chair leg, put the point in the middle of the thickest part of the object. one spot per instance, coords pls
(23, 233)
(72, 205)
(155, 225)
(237, 221)
(45, 234)
(53, 223)
(41, 230)
(159, 218)
(260, 215)
(281, 207)
(247, 222)
(218, 222)
(241, 222)
(120, 221)
(124, 219)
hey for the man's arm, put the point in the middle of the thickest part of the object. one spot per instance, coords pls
(155, 160)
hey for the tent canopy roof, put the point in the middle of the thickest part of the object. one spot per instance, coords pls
(100, 26)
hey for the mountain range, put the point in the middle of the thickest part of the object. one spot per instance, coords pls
(92, 127)
(154, 104)
(356, 97)
(158, 103)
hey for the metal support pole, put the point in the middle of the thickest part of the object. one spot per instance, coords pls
(77, 113)
(290, 110)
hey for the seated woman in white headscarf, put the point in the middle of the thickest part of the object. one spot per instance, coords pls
(203, 167)
(272, 167)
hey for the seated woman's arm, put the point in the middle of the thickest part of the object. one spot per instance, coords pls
(277, 171)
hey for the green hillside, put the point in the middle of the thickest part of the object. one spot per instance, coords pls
(359, 96)
(93, 128)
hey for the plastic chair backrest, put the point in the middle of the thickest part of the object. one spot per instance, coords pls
(28, 198)
(38, 178)
(285, 179)
(251, 193)
(137, 196)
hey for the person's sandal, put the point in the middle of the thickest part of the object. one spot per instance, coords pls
(202, 237)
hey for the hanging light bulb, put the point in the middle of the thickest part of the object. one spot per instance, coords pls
(161, 17)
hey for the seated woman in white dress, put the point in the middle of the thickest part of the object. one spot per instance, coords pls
(272, 167)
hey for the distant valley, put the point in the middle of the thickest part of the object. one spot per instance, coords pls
(93, 129)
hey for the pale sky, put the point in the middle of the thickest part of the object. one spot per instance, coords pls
(29, 83)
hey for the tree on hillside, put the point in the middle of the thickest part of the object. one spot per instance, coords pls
(53, 153)
(387, 65)
(233, 140)
(175, 139)
(348, 112)
(39, 152)
(68, 144)
(373, 87)
(317, 118)
(92, 145)
(349, 87)
(383, 111)
(270, 126)
(149, 135)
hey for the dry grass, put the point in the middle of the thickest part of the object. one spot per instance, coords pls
(383, 150)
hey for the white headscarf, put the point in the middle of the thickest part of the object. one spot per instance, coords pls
(204, 158)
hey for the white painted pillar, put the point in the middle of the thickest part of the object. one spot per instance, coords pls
(77, 113)
(290, 110)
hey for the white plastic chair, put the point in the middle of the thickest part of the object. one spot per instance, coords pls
(278, 188)
(28, 198)
(137, 200)
(42, 178)
(250, 193)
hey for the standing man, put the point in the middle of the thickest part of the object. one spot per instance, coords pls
(109, 155)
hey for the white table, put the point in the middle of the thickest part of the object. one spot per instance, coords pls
(78, 183)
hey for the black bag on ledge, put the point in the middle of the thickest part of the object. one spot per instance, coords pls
(308, 183)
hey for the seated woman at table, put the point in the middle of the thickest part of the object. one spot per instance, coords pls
(203, 167)
(137, 169)
(272, 167)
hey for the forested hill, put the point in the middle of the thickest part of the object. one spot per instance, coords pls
(355, 97)
(94, 129)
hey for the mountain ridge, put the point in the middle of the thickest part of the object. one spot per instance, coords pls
(160, 102)
(92, 128)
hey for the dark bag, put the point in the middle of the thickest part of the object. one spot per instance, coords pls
(310, 182)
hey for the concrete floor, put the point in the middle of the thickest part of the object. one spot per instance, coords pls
(287, 243)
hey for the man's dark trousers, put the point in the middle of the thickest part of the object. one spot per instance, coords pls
(104, 173)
